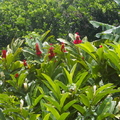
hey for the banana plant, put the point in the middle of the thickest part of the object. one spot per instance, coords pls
(109, 32)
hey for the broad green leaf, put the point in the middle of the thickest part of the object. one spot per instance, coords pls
(112, 56)
(47, 116)
(79, 108)
(9, 58)
(68, 76)
(89, 92)
(79, 82)
(69, 104)
(37, 100)
(98, 24)
(85, 100)
(21, 79)
(51, 82)
(44, 35)
(64, 116)
(89, 48)
(53, 102)
(73, 70)
(105, 115)
(28, 100)
(64, 41)
(61, 84)
(41, 90)
(17, 52)
(63, 98)
(99, 90)
(34, 116)
(104, 106)
(103, 94)
(117, 1)
(16, 65)
(52, 110)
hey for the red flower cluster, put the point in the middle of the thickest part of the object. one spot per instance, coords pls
(24, 63)
(16, 75)
(77, 40)
(4, 53)
(100, 46)
(51, 53)
(38, 52)
(63, 47)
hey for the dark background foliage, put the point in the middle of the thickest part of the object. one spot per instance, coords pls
(20, 16)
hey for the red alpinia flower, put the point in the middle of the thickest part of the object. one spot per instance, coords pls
(77, 40)
(38, 52)
(51, 53)
(100, 46)
(63, 47)
(77, 33)
(24, 63)
(16, 75)
(4, 53)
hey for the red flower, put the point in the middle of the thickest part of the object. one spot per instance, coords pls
(4, 53)
(77, 40)
(38, 52)
(63, 48)
(24, 63)
(51, 53)
(100, 46)
(77, 33)
(16, 75)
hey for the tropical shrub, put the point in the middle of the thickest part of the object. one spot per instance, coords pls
(70, 80)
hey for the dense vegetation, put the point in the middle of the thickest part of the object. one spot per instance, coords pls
(53, 68)
(19, 17)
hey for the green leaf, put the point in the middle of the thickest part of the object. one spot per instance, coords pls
(79, 82)
(69, 104)
(117, 1)
(64, 116)
(21, 79)
(53, 85)
(9, 59)
(73, 70)
(37, 100)
(47, 116)
(63, 98)
(2, 115)
(53, 102)
(99, 90)
(44, 35)
(105, 115)
(98, 24)
(104, 107)
(16, 65)
(84, 100)
(89, 48)
(79, 108)
(68, 76)
(99, 97)
(112, 56)
(28, 99)
(52, 110)
(61, 84)
(89, 93)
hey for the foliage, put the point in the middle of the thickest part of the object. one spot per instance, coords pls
(18, 18)
(62, 81)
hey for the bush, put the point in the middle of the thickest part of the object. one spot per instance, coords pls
(69, 80)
